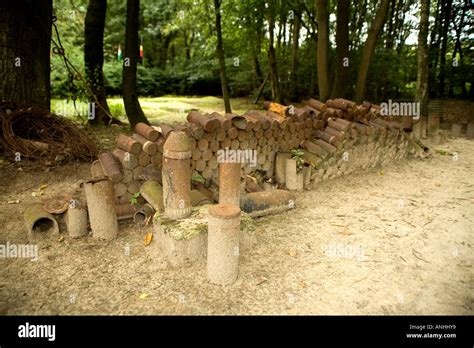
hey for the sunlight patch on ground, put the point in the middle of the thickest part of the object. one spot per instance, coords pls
(169, 109)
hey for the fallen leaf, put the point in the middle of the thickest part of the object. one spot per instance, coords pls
(381, 172)
(14, 202)
(61, 238)
(34, 194)
(292, 253)
(143, 296)
(338, 225)
(42, 187)
(345, 232)
(148, 238)
(302, 284)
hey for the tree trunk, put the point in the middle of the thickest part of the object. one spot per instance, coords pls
(434, 51)
(389, 43)
(422, 78)
(359, 24)
(256, 66)
(163, 51)
(94, 58)
(446, 12)
(390, 29)
(322, 18)
(342, 41)
(462, 9)
(187, 46)
(294, 59)
(255, 47)
(368, 51)
(220, 56)
(276, 94)
(131, 54)
(313, 52)
(25, 44)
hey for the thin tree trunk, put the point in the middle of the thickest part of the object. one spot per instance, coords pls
(163, 51)
(434, 50)
(187, 46)
(131, 54)
(359, 25)
(256, 67)
(353, 24)
(255, 44)
(342, 49)
(384, 85)
(285, 63)
(220, 56)
(368, 51)
(260, 90)
(294, 59)
(279, 36)
(400, 29)
(391, 24)
(458, 49)
(276, 94)
(25, 45)
(422, 78)
(313, 47)
(94, 58)
(322, 18)
(444, 45)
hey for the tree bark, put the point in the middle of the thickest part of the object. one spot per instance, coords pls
(360, 9)
(422, 77)
(220, 56)
(131, 54)
(94, 58)
(389, 43)
(294, 59)
(276, 93)
(163, 49)
(368, 51)
(313, 52)
(462, 9)
(25, 45)
(446, 14)
(434, 50)
(342, 49)
(256, 46)
(322, 18)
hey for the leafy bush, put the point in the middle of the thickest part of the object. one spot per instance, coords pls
(297, 155)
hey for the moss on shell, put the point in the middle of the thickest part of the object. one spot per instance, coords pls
(195, 224)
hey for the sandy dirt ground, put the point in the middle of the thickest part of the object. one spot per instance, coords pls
(393, 240)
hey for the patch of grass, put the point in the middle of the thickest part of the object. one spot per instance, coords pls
(117, 109)
(168, 109)
(64, 107)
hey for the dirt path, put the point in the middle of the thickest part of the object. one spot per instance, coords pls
(397, 241)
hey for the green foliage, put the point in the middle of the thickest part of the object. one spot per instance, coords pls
(197, 179)
(70, 24)
(179, 43)
(297, 155)
(134, 199)
(117, 110)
